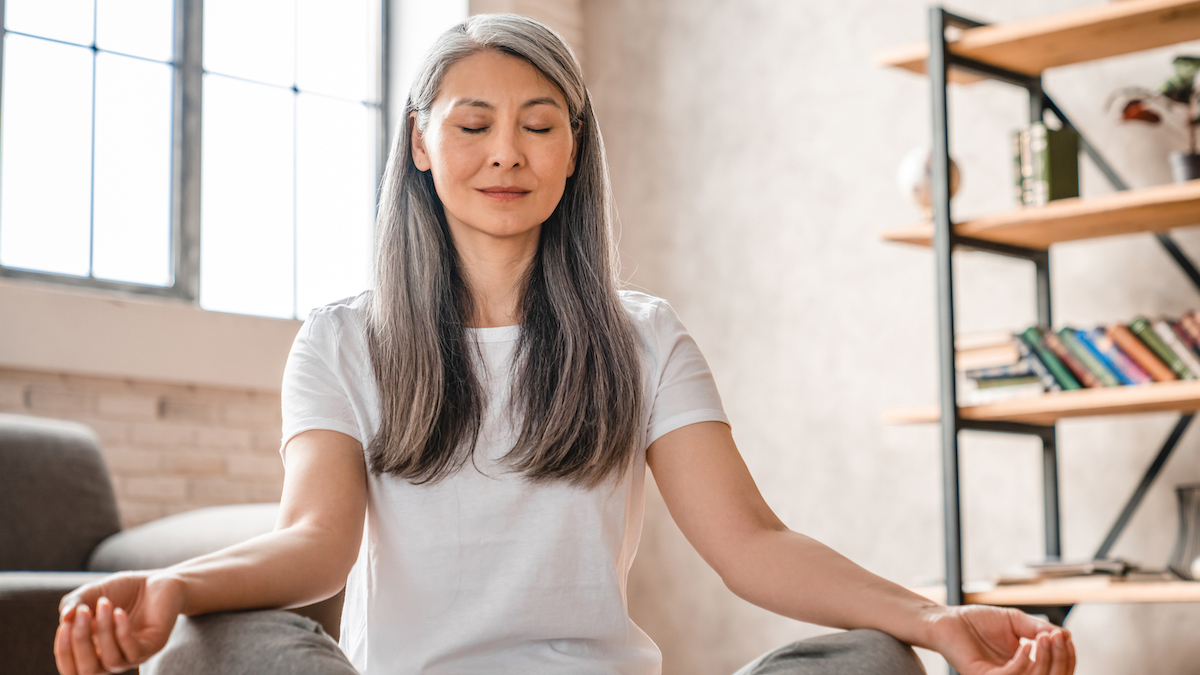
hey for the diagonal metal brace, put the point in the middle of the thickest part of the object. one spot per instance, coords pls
(1147, 479)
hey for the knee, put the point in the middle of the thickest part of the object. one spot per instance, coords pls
(248, 642)
(885, 652)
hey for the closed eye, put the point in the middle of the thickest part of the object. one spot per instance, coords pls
(540, 131)
(474, 130)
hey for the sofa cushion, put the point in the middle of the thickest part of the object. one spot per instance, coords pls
(56, 501)
(29, 617)
(176, 538)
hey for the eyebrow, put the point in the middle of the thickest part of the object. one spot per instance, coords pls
(478, 103)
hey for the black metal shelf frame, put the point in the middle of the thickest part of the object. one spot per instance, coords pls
(945, 241)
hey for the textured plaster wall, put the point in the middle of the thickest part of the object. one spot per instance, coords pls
(753, 149)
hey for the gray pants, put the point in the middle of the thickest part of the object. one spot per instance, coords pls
(275, 641)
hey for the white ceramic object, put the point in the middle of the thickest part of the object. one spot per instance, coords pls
(915, 174)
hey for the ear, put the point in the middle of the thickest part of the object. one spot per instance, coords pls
(419, 154)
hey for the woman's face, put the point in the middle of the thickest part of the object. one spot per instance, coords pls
(499, 144)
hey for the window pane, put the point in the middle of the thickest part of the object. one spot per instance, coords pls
(335, 199)
(132, 235)
(139, 27)
(246, 241)
(67, 20)
(45, 165)
(252, 39)
(336, 48)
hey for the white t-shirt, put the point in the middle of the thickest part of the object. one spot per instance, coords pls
(483, 572)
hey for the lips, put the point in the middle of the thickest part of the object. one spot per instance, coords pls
(503, 192)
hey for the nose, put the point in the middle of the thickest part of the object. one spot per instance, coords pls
(505, 150)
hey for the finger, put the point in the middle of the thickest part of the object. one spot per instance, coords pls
(1044, 659)
(105, 640)
(86, 662)
(1058, 645)
(129, 646)
(1070, 652)
(1027, 625)
(1021, 662)
(62, 649)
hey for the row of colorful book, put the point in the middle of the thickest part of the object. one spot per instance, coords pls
(1038, 360)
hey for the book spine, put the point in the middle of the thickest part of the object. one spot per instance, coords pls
(1119, 358)
(1026, 168)
(1035, 363)
(1019, 369)
(1087, 358)
(1192, 347)
(1140, 353)
(1145, 332)
(1171, 340)
(1080, 371)
(1039, 185)
(1033, 336)
(1018, 165)
(1191, 325)
(996, 382)
(1088, 340)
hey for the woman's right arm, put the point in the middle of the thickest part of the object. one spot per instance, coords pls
(306, 559)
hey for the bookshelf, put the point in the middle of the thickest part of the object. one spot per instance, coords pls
(1017, 53)
(1178, 396)
(1085, 34)
(1153, 209)
(1074, 591)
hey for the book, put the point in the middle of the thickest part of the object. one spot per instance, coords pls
(1177, 326)
(1080, 371)
(1018, 369)
(993, 382)
(1140, 353)
(1046, 164)
(985, 350)
(1130, 368)
(1177, 347)
(1190, 323)
(1035, 363)
(1141, 328)
(1033, 337)
(1085, 339)
(969, 392)
(1091, 360)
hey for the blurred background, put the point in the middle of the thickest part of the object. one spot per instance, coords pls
(180, 183)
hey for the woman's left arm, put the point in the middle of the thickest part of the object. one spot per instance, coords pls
(712, 497)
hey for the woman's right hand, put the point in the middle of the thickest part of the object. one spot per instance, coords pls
(114, 624)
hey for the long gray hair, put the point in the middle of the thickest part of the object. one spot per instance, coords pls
(576, 372)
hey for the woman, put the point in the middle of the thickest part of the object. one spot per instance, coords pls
(490, 408)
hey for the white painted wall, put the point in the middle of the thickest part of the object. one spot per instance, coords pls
(754, 148)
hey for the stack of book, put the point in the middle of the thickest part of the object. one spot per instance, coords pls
(1039, 360)
(1045, 164)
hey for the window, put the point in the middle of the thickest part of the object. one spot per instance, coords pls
(238, 171)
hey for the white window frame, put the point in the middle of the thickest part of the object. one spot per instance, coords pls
(187, 92)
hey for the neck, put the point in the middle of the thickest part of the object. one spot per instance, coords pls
(494, 269)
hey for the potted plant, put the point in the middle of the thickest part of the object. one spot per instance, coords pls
(1177, 96)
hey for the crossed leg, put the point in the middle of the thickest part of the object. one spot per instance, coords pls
(856, 652)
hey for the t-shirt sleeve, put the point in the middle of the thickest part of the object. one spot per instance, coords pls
(313, 395)
(686, 391)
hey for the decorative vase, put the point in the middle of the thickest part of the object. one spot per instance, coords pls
(915, 175)
(1186, 554)
(1185, 166)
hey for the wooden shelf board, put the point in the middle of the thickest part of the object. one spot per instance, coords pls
(1178, 396)
(1074, 36)
(1152, 209)
(1074, 591)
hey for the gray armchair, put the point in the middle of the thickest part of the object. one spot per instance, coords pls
(59, 529)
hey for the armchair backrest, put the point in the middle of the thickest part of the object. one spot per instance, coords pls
(56, 499)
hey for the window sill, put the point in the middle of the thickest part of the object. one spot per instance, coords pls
(63, 329)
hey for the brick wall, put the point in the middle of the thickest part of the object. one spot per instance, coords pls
(169, 448)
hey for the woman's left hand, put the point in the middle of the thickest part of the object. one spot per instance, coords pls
(983, 640)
